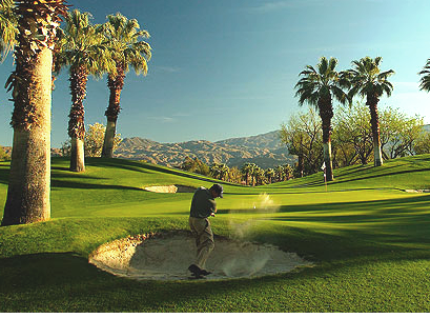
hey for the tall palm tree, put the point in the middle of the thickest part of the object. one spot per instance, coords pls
(128, 48)
(425, 79)
(28, 197)
(8, 27)
(84, 53)
(368, 81)
(317, 87)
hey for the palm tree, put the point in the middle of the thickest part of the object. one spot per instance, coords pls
(253, 171)
(270, 173)
(280, 172)
(316, 87)
(8, 27)
(85, 54)
(224, 171)
(246, 169)
(425, 80)
(368, 81)
(288, 172)
(28, 198)
(128, 48)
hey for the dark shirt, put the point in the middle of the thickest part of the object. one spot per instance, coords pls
(203, 204)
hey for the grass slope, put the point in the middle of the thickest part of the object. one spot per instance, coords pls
(368, 238)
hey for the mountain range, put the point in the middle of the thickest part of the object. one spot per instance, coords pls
(265, 150)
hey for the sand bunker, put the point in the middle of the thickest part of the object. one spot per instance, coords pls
(170, 189)
(168, 256)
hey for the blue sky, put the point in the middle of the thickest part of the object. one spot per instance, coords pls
(225, 68)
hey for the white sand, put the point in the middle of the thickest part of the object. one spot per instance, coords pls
(167, 257)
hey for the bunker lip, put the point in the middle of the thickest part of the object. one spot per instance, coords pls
(166, 256)
(173, 188)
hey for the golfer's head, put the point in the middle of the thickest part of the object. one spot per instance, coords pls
(216, 191)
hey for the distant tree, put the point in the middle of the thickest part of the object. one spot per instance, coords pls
(425, 79)
(253, 173)
(303, 136)
(280, 173)
(246, 171)
(126, 42)
(259, 175)
(288, 172)
(353, 134)
(317, 87)
(422, 145)
(235, 175)
(270, 173)
(399, 132)
(3, 155)
(368, 81)
(94, 140)
(220, 171)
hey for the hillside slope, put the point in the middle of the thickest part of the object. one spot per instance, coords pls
(264, 150)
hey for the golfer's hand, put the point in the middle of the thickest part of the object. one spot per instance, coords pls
(213, 214)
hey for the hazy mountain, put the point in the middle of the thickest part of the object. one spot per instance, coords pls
(264, 150)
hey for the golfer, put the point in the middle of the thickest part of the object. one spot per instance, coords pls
(203, 206)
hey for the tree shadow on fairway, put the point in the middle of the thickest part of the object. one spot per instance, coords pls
(68, 283)
(335, 230)
(82, 185)
(4, 174)
(149, 169)
(360, 176)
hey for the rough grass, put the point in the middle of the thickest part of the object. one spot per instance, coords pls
(368, 239)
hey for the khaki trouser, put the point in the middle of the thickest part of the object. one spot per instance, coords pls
(201, 229)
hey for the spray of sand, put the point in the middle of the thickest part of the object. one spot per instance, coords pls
(244, 230)
(262, 205)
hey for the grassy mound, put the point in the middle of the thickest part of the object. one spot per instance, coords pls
(368, 238)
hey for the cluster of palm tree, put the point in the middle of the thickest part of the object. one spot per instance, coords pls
(252, 174)
(31, 28)
(319, 86)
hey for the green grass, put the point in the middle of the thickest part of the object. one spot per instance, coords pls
(368, 238)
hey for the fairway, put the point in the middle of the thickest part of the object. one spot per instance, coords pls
(366, 237)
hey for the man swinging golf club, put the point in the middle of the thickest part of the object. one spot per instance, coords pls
(203, 206)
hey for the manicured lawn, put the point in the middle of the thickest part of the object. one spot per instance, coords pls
(369, 241)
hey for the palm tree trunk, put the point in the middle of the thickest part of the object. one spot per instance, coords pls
(77, 155)
(372, 102)
(108, 142)
(326, 113)
(28, 198)
(78, 86)
(115, 85)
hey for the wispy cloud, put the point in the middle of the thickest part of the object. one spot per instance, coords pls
(163, 119)
(169, 69)
(271, 6)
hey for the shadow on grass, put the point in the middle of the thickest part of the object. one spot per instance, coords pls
(144, 167)
(388, 173)
(342, 230)
(81, 185)
(68, 283)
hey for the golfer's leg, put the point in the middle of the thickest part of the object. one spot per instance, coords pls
(206, 245)
(194, 230)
